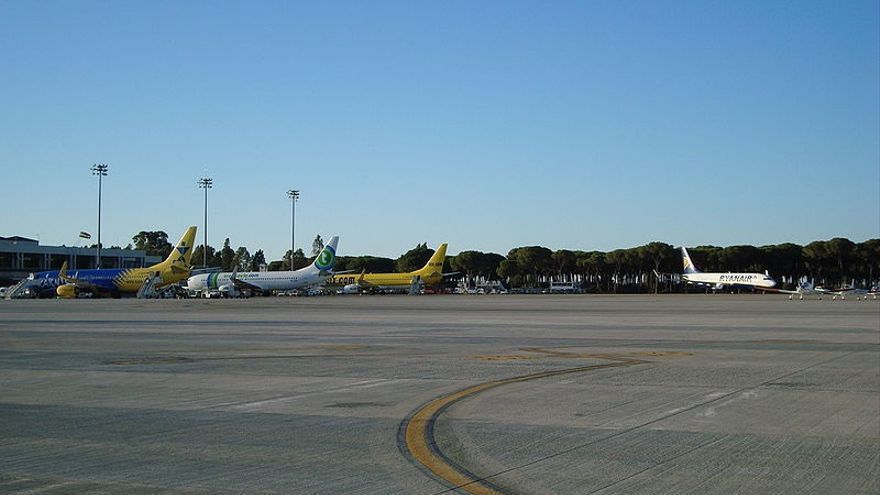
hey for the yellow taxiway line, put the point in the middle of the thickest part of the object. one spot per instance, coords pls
(419, 428)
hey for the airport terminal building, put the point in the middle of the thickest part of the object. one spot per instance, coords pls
(21, 256)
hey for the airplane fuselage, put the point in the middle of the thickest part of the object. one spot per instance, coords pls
(388, 281)
(266, 281)
(111, 280)
(747, 280)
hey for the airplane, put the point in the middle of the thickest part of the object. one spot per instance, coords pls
(379, 283)
(114, 282)
(228, 283)
(718, 280)
(864, 293)
(806, 288)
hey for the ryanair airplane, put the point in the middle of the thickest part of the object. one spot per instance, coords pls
(116, 281)
(429, 275)
(718, 281)
(311, 276)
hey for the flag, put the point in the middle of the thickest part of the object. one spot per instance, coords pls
(85, 235)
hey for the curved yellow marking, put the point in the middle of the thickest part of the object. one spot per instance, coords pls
(419, 438)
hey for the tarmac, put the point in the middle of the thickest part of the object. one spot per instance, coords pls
(482, 394)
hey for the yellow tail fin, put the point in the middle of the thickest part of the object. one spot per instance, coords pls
(435, 264)
(182, 253)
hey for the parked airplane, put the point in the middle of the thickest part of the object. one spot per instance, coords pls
(718, 281)
(429, 275)
(116, 281)
(807, 289)
(263, 282)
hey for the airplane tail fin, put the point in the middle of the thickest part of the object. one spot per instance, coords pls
(180, 256)
(435, 264)
(689, 266)
(326, 259)
(62, 272)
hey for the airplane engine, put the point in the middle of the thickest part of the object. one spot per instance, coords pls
(351, 289)
(67, 291)
(228, 290)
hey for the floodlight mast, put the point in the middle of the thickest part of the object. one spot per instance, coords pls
(293, 194)
(205, 183)
(101, 170)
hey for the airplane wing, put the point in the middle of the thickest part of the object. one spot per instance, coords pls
(449, 274)
(241, 284)
(774, 290)
(363, 283)
(82, 284)
(180, 271)
(842, 290)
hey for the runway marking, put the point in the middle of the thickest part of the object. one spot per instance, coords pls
(541, 352)
(291, 398)
(418, 429)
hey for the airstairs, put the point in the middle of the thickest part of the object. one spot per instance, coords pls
(415, 286)
(148, 288)
(15, 289)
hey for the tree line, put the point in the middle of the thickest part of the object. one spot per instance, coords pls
(826, 262)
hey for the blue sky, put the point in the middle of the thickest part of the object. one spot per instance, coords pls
(488, 125)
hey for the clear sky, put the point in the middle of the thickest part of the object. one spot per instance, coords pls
(488, 125)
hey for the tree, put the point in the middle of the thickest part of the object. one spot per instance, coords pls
(227, 256)
(841, 252)
(242, 259)
(536, 259)
(816, 257)
(489, 263)
(317, 245)
(564, 261)
(295, 262)
(198, 255)
(153, 242)
(467, 262)
(617, 259)
(657, 253)
(869, 256)
(216, 260)
(591, 265)
(783, 260)
(257, 261)
(369, 264)
(508, 270)
(414, 259)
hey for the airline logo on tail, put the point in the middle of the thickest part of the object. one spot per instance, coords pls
(327, 259)
(688, 264)
(182, 253)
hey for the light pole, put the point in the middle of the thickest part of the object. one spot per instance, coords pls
(99, 169)
(293, 194)
(205, 183)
